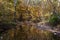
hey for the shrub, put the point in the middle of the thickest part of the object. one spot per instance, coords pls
(54, 20)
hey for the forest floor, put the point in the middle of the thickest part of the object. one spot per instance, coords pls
(44, 26)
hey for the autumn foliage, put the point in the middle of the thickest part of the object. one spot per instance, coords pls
(25, 13)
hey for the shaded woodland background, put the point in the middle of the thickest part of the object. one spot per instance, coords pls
(28, 13)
